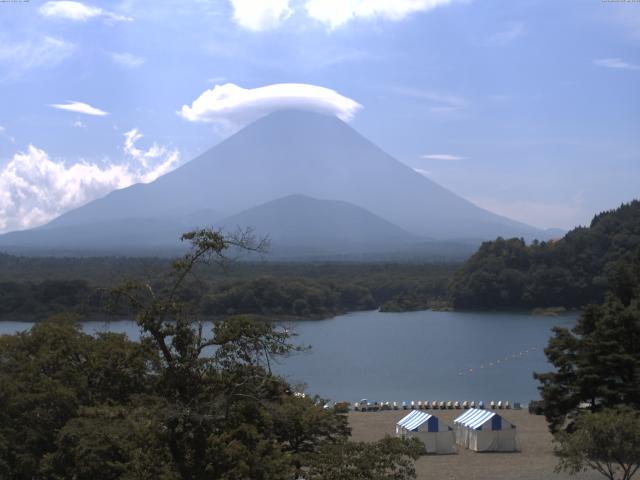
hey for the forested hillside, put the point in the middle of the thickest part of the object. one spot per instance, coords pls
(33, 288)
(570, 272)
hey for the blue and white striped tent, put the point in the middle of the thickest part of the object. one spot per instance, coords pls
(485, 431)
(436, 436)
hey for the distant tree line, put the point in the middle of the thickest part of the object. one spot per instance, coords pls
(47, 297)
(570, 272)
(279, 296)
(284, 290)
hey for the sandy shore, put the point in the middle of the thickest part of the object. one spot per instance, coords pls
(534, 461)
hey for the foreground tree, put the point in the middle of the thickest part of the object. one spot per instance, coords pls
(47, 375)
(607, 441)
(592, 399)
(182, 404)
(387, 459)
(598, 361)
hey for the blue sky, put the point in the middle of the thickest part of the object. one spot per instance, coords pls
(528, 108)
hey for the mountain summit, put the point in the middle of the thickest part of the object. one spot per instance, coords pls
(296, 152)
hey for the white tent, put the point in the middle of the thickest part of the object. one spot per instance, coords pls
(436, 436)
(485, 431)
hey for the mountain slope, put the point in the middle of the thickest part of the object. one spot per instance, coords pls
(295, 224)
(301, 219)
(301, 152)
(120, 235)
(282, 154)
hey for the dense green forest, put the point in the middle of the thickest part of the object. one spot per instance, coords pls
(570, 272)
(33, 288)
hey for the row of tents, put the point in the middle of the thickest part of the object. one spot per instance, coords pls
(475, 429)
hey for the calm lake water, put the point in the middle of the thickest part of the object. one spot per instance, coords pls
(409, 356)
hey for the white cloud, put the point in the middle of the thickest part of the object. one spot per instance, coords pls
(79, 124)
(34, 188)
(260, 15)
(155, 161)
(79, 107)
(335, 13)
(616, 63)
(126, 60)
(422, 172)
(234, 106)
(440, 102)
(78, 12)
(442, 156)
(513, 31)
(18, 58)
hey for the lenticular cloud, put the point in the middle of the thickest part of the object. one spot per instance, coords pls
(234, 106)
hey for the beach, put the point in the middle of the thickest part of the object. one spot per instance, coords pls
(533, 461)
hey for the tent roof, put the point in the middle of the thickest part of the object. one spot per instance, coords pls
(475, 418)
(414, 419)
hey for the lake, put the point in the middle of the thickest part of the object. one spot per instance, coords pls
(409, 356)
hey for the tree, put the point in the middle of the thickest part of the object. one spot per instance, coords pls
(570, 272)
(606, 441)
(387, 459)
(48, 374)
(300, 306)
(182, 404)
(597, 362)
(302, 425)
(111, 442)
(229, 416)
(217, 422)
(598, 367)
